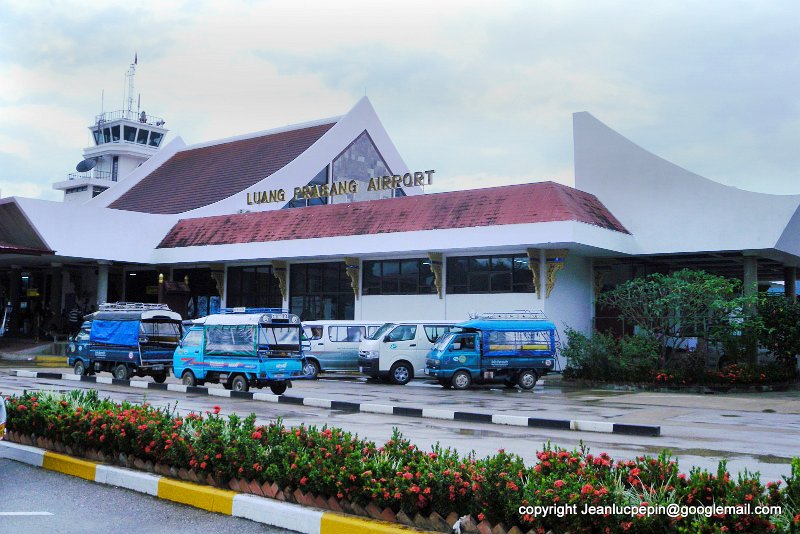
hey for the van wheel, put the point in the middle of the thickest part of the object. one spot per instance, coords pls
(527, 379)
(160, 378)
(461, 380)
(80, 368)
(401, 373)
(311, 369)
(188, 379)
(278, 389)
(239, 383)
(121, 372)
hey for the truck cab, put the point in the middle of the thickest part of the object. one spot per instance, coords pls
(512, 349)
(126, 339)
(242, 348)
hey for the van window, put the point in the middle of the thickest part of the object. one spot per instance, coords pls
(169, 333)
(279, 337)
(371, 331)
(382, 331)
(434, 332)
(193, 338)
(312, 332)
(83, 335)
(346, 333)
(405, 332)
(230, 339)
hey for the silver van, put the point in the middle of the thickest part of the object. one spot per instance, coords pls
(334, 344)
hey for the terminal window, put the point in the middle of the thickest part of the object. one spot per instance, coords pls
(489, 274)
(398, 277)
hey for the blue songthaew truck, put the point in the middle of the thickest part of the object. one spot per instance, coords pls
(126, 339)
(514, 349)
(242, 348)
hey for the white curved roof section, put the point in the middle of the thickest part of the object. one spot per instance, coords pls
(305, 166)
(671, 210)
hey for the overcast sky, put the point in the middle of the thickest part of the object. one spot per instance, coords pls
(482, 92)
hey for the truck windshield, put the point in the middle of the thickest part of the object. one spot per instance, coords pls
(443, 341)
(279, 337)
(382, 331)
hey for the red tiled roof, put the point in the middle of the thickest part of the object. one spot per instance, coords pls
(514, 204)
(10, 248)
(198, 177)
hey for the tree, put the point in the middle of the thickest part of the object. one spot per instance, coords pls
(780, 332)
(679, 305)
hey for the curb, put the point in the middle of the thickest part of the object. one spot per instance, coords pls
(259, 509)
(403, 411)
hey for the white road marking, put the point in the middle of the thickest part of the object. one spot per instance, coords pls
(25, 513)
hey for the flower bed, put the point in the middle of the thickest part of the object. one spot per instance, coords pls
(331, 467)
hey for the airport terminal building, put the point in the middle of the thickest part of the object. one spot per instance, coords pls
(327, 220)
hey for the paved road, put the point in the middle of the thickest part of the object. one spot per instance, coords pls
(66, 504)
(756, 431)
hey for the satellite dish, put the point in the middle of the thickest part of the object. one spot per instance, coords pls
(86, 165)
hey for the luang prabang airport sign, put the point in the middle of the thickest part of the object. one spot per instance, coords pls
(344, 187)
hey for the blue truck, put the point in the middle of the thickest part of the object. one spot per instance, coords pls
(242, 348)
(514, 349)
(126, 339)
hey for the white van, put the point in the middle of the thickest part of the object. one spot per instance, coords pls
(398, 350)
(334, 344)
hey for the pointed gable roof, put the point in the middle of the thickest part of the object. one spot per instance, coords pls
(515, 204)
(199, 176)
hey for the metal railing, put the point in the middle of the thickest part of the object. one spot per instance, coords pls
(131, 306)
(97, 175)
(141, 117)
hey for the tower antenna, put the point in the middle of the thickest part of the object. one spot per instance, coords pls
(130, 76)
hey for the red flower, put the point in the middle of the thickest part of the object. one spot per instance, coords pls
(203, 465)
(216, 409)
(481, 517)
(256, 435)
(303, 481)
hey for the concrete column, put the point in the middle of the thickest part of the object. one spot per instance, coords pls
(790, 282)
(750, 275)
(102, 282)
(13, 297)
(56, 273)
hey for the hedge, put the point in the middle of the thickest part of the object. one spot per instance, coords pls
(400, 476)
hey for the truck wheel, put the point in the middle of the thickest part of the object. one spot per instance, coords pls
(80, 368)
(239, 383)
(160, 377)
(311, 369)
(461, 380)
(401, 373)
(527, 379)
(188, 379)
(278, 389)
(121, 372)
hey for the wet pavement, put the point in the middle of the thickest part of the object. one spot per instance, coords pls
(758, 431)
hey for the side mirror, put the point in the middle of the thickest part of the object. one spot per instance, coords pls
(180, 343)
(386, 338)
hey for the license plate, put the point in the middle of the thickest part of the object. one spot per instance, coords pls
(278, 375)
(157, 368)
(223, 376)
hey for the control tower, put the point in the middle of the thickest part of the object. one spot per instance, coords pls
(123, 140)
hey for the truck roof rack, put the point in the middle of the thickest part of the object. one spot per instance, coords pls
(131, 306)
(516, 314)
(253, 310)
